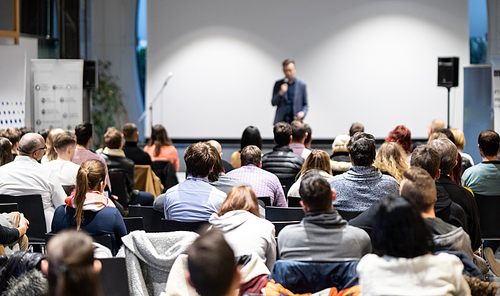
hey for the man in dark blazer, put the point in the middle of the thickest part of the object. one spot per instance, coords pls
(289, 95)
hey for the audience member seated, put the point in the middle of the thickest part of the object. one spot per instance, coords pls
(322, 235)
(227, 166)
(402, 136)
(467, 160)
(6, 155)
(355, 128)
(89, 209)
(456, 193)
(317, 159)
(299, 135)
(282, 161)
(403, 263)
(391, 160)
(25, 176)
(14, 136)
(70, 266)
(84, 133)
(309, 137)
(136, 154)
(251, 136)
(217, 176)
(160, 147)
(239, 220)
(64, 145)
(194, 199)
(361, 186)
(263, 183)
(116, 160)
(13, 227)
(50, 153)
(339, 160)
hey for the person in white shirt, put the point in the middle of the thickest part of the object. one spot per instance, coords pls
(64, 145)
(25, 176)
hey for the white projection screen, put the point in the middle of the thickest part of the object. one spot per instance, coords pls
(367, 61)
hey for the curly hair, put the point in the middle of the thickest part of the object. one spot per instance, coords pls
(402, 136)
(391, 158)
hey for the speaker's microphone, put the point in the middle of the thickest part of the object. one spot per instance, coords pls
(285, 80)
(169, 75)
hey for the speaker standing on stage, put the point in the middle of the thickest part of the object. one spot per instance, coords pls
(289, 95)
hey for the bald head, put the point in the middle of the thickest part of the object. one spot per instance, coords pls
(436, 124)
(216, 145)
(31, 144)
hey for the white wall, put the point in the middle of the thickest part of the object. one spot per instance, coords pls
(369, 61)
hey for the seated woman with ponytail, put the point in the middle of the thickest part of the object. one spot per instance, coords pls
(88, 208)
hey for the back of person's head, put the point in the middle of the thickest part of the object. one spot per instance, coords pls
(218, 167)
(356, 128)
(63, 140)
(216, 145)
(51, 151)
(13, 134)
(448, 134)
(159, 138)
(309, 134)
(282, 132)
(426, 157)
(70, 265)
(448, 153)
(211, 265)
(84, 131)
(459, 138)
(251, 136)
(391, 158)
(113, 138)
(29, 143)
(340, 143)
(317, 159)
(24, 130)
(129, 131)
(315, 192)
(198, 159)
(489, 142)
(399, 230)
(435, 136)
(5, 151)
(361, 148)
(298, 131)
(240, 198)
(402, 136)
(436, 124)
(251, 155)
(419, 186)
(91, 176)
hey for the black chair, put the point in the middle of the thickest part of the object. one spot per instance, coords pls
(133, 223)
(294, 201)
(68, 189)
(104, 239)
(284, 214)
(9, 207)
(348, 215)
(286, 183)
(266, 200)
(114, 271)
(150, 217)
(171, 225)
(489, 218)
(165, 170)
(118, 187)
(279, 225)
(32, 208)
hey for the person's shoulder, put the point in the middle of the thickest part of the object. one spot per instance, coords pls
(289, 231)
(358, 233)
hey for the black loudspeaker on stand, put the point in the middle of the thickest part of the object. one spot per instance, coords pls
(448, 76)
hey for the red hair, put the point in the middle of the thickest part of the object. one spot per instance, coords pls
(402, 136)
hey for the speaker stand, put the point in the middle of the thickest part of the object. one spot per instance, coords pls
(448, 88)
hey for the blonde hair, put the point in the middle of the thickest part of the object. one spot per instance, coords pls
(391, 158)
(459, 138)
(240, 198)
(340, 143)
(317, 159)
(436, 136)
(51, 151)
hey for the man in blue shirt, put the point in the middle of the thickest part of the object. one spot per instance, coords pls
(289, 95)
(194, 199)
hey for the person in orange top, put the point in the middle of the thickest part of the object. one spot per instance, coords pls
(160, 147)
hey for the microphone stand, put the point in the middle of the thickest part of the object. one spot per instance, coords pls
(141, 118)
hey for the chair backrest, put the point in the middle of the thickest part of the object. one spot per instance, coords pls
(150, 217)
(279, 225)
(133, 223)
(32, 208)
(171, 225)
(68, 189)
(284, 214)
(286, 183)
(266, 200)
(348, 215)
(8, 207)
(294, 201)
(488, 215)
(114, 271)
(165, 170)
(104, 239)
(118, 187)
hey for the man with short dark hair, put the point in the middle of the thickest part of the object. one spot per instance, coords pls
(282, 161)
(262, 182)
(362, 185)
(194, 199)
(132, 151)
(289, 95)
(65, 145)
(299, 136)
(356, 128)
(322, 235)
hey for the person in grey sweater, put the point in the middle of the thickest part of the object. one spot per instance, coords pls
(322, 235)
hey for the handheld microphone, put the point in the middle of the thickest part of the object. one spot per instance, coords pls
(285, 80)
(169, 75)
